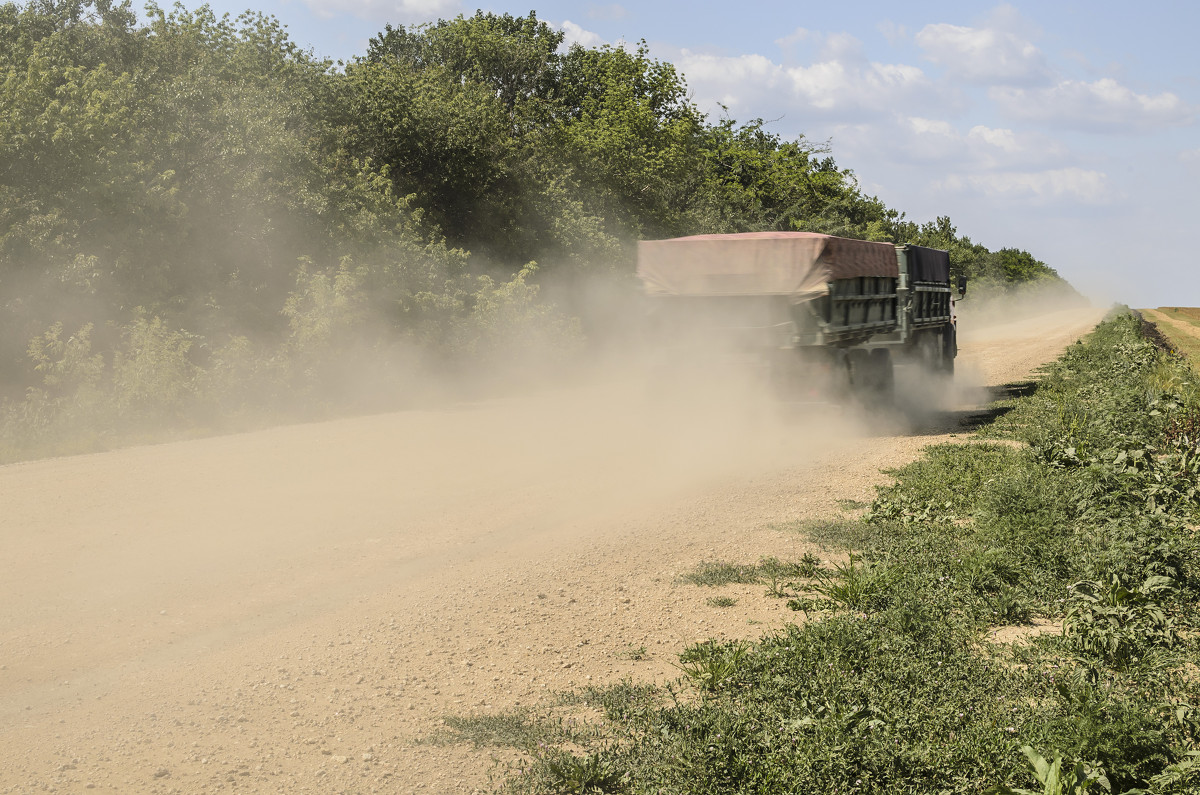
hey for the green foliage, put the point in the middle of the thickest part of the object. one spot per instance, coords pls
(66, 366)
(518, 729)
(1179, 778)
(508, 320)
(324, 305)
(631, 137)
(559, 771)
(710, 665)
(863, 587)
(512, 56)
(151, 371)
(768, 569)
(716, 573)
(1057, 778)
(621, 701)
(1117, 624)
(445, 140)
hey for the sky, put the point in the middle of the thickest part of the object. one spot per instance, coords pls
(1068, 129)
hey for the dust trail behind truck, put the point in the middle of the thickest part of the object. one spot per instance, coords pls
(818, 316)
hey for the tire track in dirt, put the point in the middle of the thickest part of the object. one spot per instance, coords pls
(295, 609)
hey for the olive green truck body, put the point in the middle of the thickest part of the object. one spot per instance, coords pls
(798, 298)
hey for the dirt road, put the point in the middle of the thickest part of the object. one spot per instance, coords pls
(294, 610)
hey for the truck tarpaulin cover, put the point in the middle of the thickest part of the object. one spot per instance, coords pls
(928, 265)
(795, 264)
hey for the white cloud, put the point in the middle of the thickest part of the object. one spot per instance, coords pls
(1039, 187)
(574, 34)
(931, 127)
(842, 47)
(795, 37)
(927, 163)
(1103, 105)
(983, 55)
(913, 139)
(937, 145)
(1004, 140)
(842, 88)
(832, 86)
(402, 11)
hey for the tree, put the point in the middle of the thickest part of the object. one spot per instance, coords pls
(515, 57)
(631, 136)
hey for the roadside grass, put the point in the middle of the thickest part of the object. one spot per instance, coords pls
(715, 573)
(891, 686)
(519, 728)
(619, 701)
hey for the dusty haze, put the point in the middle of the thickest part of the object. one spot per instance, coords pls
(296, 608)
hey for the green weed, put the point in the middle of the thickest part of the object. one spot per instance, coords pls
(632, 652)
(1058, 778)
(559, 771)
(709, 665)
(620, 701)
(1119, 624)
(864, 587)
(520, 728)
(717, 573)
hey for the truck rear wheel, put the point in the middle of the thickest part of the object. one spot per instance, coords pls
(949, 349)
(933, 351)
(885, 375)
(872, 376)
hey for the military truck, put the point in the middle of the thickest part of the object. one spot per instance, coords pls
(819, 315)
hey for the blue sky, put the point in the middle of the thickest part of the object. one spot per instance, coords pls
(1068, 129)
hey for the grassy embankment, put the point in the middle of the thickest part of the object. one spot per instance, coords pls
(1181, 327)
(1068, 527)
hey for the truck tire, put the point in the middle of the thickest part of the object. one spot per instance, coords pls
(858, 364)
(885, 375)
(872, 376)
(929, 350)
(949, 349)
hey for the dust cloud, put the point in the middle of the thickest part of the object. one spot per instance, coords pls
(992, 307)
(158, 553)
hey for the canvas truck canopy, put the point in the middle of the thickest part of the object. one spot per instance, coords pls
(798, 265)
(928, 264)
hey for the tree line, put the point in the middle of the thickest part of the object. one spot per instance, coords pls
(197, 213)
